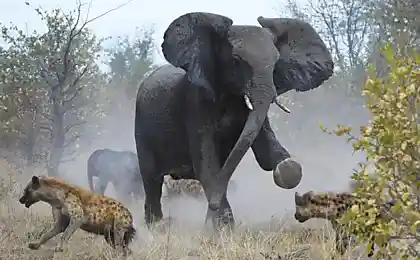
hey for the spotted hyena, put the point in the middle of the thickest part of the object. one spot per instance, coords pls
(188, 187)
(74, 207)
(330, 206)
(176, 187)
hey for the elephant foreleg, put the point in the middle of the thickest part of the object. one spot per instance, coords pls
(200, 127)
(267, 149)
(223, 217)
(272, 156)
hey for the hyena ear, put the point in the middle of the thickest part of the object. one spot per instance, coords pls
(303, 200)
(35, 180)
(307, 196)
(298, 199)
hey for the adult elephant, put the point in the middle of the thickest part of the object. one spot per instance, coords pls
(199, 120)
(121, 168)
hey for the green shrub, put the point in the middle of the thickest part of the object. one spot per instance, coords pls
(391, 169)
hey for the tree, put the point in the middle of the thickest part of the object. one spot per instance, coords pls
(128, 60)
(343, 24)
(390, 172)
(22, 100)
(63, 63)
(395, 22)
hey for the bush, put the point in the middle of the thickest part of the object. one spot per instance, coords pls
(390, 171)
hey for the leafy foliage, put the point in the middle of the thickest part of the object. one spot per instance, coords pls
(52, 89)
(128, 60)
(391, 142)
(51, 79)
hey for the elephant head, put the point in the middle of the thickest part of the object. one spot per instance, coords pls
(255, 63)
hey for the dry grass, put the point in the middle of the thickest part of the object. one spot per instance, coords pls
(19, 225)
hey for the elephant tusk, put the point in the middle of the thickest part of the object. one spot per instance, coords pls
(248, 102)
(280, 105)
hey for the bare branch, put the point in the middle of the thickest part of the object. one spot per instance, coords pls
(76, 81)
(107, 12)
(73, 91)
(70, 159)
(72, 35)
(68, 127)
(71, 140)
(47, 116)
(44, 73)
(45, 126)
(88, 11)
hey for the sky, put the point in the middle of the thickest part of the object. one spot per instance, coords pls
(159, 13)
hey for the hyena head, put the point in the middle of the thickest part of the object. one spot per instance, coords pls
(36, 190)
(326, 205)
(303, 207)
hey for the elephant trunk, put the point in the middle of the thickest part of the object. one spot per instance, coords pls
(258, 100)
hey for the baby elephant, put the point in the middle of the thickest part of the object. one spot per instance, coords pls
(74, 207)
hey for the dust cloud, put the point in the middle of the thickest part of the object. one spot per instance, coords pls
(327, 160)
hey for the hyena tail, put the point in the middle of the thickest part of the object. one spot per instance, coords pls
(129, 235)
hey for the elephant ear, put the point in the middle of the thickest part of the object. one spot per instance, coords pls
(191, 42)
(305, 62)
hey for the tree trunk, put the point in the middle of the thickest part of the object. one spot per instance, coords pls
(57, 145)
(30, 147)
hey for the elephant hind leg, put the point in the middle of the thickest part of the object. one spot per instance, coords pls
(152, 183)
(102, 184)
(152, 204)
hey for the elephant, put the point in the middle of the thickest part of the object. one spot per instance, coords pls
(120, 168)
(197, 116)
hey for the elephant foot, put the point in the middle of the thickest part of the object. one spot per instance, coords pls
(162, 226)
(222, 221)
(287, 174)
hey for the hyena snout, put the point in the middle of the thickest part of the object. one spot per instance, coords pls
(301, 218)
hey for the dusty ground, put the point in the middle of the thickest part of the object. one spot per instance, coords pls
(19, 225)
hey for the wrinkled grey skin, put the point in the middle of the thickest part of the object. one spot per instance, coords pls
(199, 120)
(118, 167)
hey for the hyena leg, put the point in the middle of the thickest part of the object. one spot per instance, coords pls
(115, 238)
(119, 241)
(109, 235)
(342, 238)
(371, 250)
(61, 223)
(76, 221)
